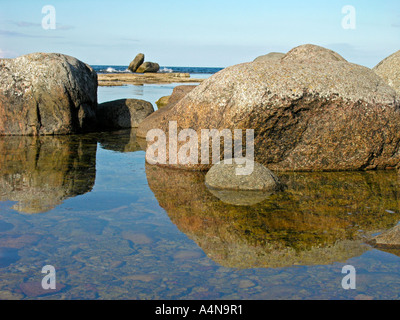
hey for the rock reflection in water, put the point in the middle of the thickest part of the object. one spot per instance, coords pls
(320, 219)
(240, 198)
(120, 141)
(40, 172)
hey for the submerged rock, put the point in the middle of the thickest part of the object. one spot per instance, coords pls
(123, 113)
(46, 94)
(389, 70)
(137, 62)
(19, 241)
(33, 289)
(148, 67)
(310, 111)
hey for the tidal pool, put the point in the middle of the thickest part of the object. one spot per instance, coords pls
(115, 227)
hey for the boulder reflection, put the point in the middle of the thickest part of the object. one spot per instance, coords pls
(40, 172)
(320, 219)
(120, 141)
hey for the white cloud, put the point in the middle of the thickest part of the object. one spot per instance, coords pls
(28, 24)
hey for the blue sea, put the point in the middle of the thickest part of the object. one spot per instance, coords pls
(195, 72)
(148, 92)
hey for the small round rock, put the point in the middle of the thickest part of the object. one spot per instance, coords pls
(225, 175)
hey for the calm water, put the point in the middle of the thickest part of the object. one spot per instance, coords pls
(116, 228)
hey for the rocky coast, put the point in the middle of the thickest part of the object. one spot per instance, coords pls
(310, 109)
(144, 72)
(121, 79)
(129, 229)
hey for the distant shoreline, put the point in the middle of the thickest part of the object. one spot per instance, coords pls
(121, 79)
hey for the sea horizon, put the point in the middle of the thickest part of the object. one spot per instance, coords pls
(163, 69)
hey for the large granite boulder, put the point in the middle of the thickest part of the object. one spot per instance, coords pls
(46, 94)
(148, 67)
(137, 62)
(270, 56)
(123, 113)
(389, 70)
(308, 114)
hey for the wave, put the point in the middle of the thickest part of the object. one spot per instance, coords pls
(166, 70)
(113, 70)
(110, 69)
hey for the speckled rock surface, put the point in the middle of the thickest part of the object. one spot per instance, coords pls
(270, 56)
(389, 70)
(123, 113)
(45, 94)
(307, 53)
(179, 92)
(316, 116)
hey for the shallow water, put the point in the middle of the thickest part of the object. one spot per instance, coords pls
(148, 92)
(116, 228)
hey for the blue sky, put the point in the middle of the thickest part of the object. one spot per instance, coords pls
(214, 33)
